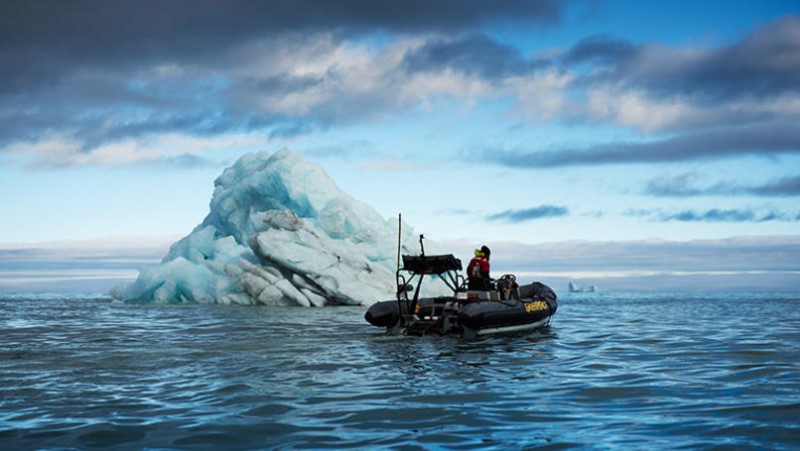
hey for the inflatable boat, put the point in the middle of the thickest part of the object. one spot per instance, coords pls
(505, 307)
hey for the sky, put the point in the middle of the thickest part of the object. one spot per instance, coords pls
(630, 144)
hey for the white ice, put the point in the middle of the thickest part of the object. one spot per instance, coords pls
(279, 232)
(574, 288)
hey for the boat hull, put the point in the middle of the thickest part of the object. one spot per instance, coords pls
(467, 317)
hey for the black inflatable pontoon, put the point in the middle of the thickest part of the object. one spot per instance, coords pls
(507, 308)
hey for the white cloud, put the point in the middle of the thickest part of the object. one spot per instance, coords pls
(320, 76)
(541, 97)
(165, 149)
(633, 108)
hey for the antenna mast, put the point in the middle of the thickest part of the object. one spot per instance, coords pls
(399, 235)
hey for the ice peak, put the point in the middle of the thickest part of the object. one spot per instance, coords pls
(279, 231)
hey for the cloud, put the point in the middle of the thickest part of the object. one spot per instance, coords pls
(683, 185)
(767, 138)
(473, 54)
(43, 40)
(529, 214)
(100, 73)
(754, 253)
(457, 212)
(652, 87)
(758, 69)
(687, 185)
(120, 251)
(713, 215)
(77, 266)
(600, 49)
(786, 186)
(318, 82)
(166, 151)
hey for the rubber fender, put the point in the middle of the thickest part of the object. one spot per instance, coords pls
(384, 313)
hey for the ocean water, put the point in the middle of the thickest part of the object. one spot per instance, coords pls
(612, 371)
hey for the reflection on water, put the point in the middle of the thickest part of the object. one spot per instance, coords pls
(612, 370)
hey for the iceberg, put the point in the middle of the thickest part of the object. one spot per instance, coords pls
(574, 288)
(279, 232)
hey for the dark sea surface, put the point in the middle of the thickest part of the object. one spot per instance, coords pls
(612, 371)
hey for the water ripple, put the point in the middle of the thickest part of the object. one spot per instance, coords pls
(612, 371)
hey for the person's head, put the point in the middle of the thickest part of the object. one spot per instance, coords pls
(486, 251)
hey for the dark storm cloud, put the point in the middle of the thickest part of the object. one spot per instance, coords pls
(88, 70)
(474, 54)
(766, 62)
(686, 186)
(42, 39)
(769, 138)
(529, 214)
(600, 49)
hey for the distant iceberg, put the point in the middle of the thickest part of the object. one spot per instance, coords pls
(279, 232)
(574, 288)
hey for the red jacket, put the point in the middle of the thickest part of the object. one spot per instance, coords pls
(478, 268)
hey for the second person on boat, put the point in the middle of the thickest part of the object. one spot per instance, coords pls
(478, 270)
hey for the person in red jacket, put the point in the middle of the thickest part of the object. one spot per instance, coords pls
(478, 270)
